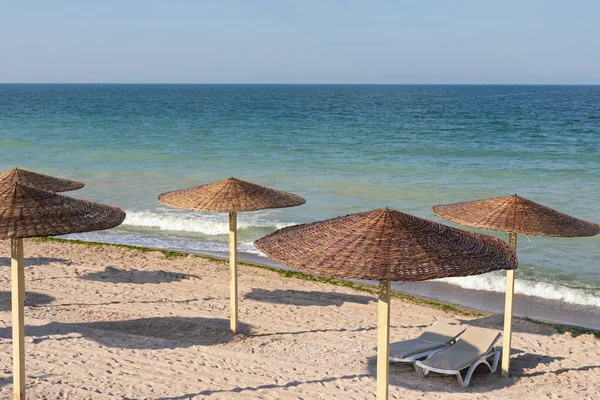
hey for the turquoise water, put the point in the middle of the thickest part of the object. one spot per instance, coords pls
(345, 148)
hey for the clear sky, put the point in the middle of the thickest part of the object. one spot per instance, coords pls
(300, 41)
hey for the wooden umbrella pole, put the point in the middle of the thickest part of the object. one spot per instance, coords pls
(18, 318)
(508, 310)
(383, 340)
(233, 289)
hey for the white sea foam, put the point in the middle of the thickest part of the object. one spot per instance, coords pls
(497, 283)
(184, 245)
(208, 224)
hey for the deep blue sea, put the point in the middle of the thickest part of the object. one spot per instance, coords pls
(345, 148)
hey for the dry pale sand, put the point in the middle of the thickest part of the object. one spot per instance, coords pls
(113, 323)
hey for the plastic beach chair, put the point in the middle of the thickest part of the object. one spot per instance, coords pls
(436, 337)
(475, 346)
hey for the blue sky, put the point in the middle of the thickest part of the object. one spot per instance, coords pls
(300, 41)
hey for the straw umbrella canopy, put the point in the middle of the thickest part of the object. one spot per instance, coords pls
(386, 245)
(230, 195)
(30, 212)
(514, 214)
(37, 180)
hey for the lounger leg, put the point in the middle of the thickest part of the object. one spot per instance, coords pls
(472, 369)
(460, 380)
(492, 367)
(423, 372)
(420, 371)
(498, 353)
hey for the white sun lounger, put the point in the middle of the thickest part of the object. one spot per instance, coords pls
(435, 337)
(475, 346)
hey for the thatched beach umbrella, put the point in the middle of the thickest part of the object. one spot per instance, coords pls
(37, 180)
(29, 212)
(514, 214)
(386, 245)
(232, 196)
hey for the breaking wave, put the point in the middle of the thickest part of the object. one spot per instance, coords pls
(207, 224)
(497, 283)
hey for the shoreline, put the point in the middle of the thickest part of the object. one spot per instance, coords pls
(539, 309)
(562, 316)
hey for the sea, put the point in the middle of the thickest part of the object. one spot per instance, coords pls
(345, 148)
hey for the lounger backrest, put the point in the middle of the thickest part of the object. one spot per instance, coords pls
(478, 340)
(441, 332)
(473, 344)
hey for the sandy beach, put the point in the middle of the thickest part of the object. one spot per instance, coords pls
(107, 322)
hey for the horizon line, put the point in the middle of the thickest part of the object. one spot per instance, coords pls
(294, 83)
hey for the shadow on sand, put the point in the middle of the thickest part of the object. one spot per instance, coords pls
(114, 302)
(32, 299)
(304, 298)
(5, 261)
(319, 382)
(6, 380)
(116, 275)
(340, 330)
(143, 333)
(404, 375)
